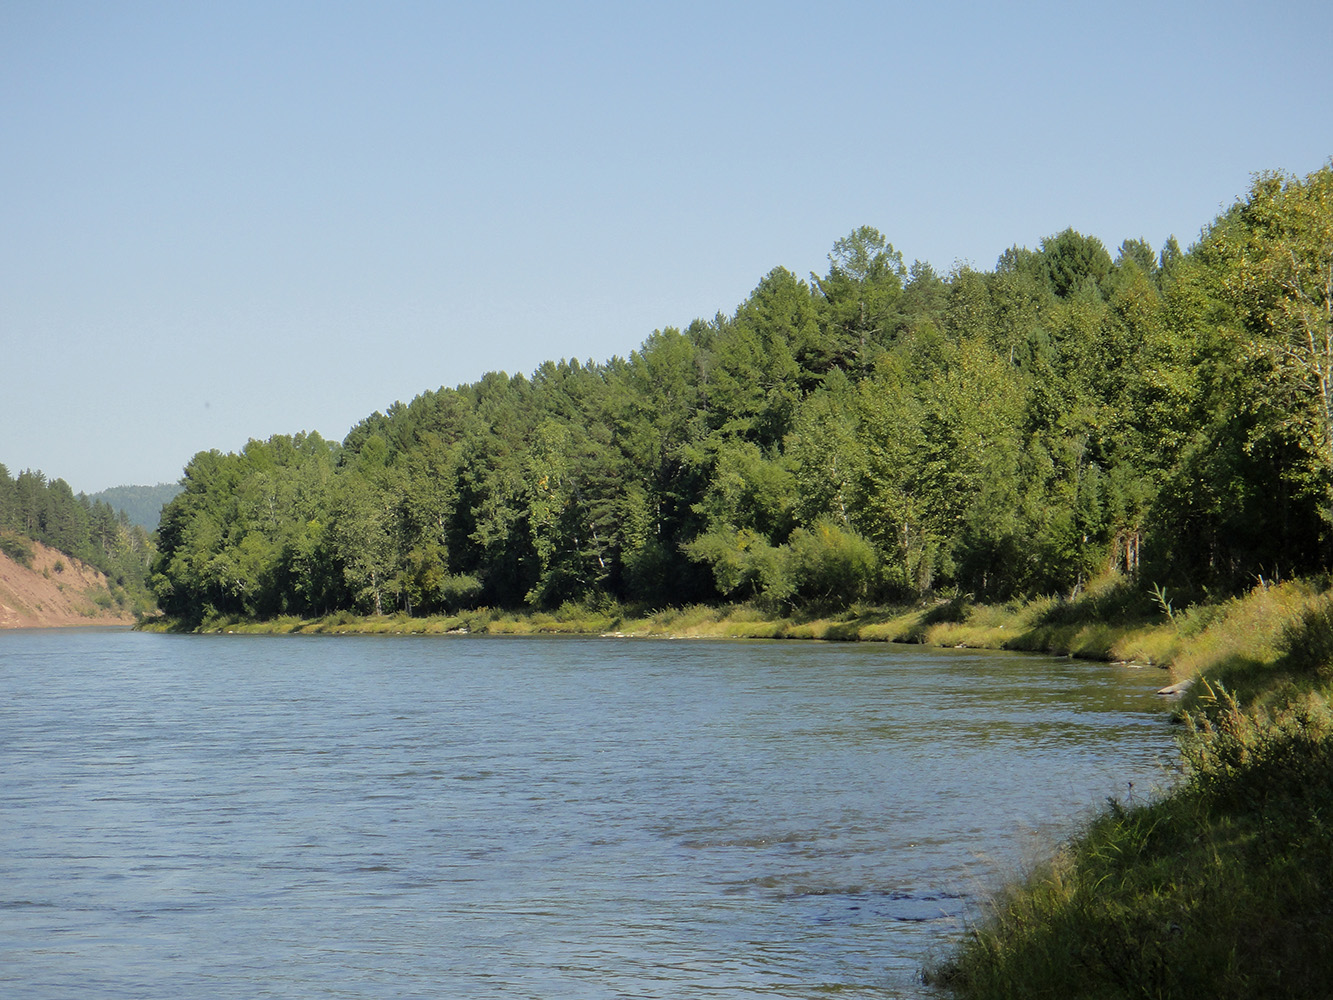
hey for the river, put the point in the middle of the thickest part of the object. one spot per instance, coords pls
(471, 817)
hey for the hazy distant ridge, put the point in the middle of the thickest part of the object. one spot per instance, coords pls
(141, 504)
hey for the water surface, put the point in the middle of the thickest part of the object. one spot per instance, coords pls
(318, 817)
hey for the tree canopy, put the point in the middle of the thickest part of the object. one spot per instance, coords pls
(875, 433)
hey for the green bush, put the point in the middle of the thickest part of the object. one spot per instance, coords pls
(1243, 760)
(744, 564)
(1307, 642)
(458, 591)
(18, 549)
(830, 566)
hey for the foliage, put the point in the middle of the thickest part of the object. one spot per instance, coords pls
(829, 566)
(16, 548)
(1217, 891)
(877, 433)
(1307, 640)
(34, 508)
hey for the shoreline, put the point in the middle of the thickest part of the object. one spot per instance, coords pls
(1159, 897)
(1049, 626)
(1237, 640)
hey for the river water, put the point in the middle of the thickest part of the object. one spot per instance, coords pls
(317, 817)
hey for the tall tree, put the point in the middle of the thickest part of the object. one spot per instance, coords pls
(1281, 279)
(858, 295)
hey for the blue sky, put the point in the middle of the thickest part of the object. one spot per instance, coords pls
(222, 221)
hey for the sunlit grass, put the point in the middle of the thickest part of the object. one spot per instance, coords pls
(1112, 619)
(1221, 887)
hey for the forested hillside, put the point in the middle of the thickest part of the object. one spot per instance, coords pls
(875, 433)
(142, 504)
(33, 508)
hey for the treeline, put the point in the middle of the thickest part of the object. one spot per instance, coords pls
(48, 511)
(872, 434)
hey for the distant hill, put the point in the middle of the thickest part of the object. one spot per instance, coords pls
(141, 504)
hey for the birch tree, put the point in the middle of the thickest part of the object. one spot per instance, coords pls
(1282, 282)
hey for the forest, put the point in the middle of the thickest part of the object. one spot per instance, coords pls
(142, 505)
(48, 511)
(878, 433)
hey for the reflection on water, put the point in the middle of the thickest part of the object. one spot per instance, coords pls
(470, 817)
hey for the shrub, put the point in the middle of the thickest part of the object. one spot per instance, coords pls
(18, 549)
(1247, 759)
(457, 591)
(1307, 641)
(830, 566)
(744, 564)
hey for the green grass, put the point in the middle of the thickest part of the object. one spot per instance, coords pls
(1223, 887)
(1220, 889)
(1110, 620)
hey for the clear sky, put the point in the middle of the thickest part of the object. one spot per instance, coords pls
(221, 221)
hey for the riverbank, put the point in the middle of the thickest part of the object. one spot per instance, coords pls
(1229, 639)
(1218, 889)
(41, 587)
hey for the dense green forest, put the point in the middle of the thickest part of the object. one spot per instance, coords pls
(876, 433)
(48, 511)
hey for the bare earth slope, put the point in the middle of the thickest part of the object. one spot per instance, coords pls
(58, 590)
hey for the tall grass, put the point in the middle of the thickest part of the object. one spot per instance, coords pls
(1222, 888)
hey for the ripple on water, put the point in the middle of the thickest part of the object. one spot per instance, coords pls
(311, 818)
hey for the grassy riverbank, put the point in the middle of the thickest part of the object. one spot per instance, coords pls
(1108, 621)
(1221, 888)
